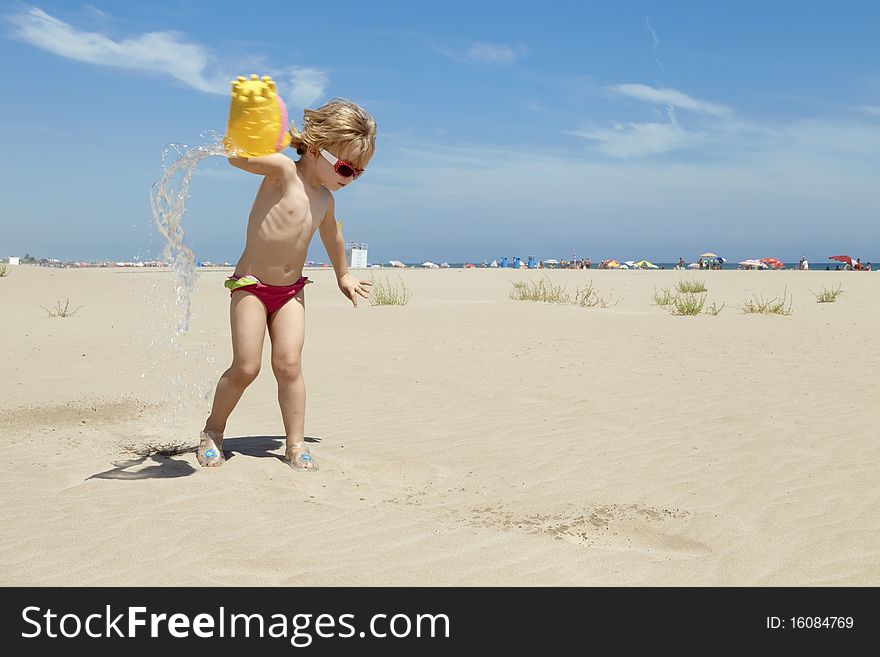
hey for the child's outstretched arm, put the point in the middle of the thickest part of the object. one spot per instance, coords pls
(331, 236)
(275, 164)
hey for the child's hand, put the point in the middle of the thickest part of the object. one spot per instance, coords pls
(352, 287)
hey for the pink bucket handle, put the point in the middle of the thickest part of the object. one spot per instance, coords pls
(282, 111)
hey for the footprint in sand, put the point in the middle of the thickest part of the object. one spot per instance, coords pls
(671, 532)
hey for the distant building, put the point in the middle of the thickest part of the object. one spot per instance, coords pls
(356, 255)
(14, 260)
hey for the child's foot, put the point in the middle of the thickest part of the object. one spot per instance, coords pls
(210, 452)
(297, 457)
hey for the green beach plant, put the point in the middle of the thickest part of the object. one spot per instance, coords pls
(664, 297)
(61, 312)
(828, 295)
(775, 306)
(690, 303)
(3, 270)
(387, 293)
(543, 290)
(588, 297)
(691, 287)
(714, 309)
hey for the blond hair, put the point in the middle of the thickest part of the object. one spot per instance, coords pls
(338, 124)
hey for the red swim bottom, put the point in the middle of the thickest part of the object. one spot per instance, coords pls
(272, 296)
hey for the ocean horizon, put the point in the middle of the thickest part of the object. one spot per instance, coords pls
(823, 266)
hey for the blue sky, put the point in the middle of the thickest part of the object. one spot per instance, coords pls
(640, 129)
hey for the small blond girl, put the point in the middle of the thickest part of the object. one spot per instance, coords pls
(294, 200)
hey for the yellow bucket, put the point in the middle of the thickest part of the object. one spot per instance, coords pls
(257, 123)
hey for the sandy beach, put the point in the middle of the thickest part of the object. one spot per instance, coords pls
(463, 439)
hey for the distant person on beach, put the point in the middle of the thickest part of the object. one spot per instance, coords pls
(293, 201)
(681, 264)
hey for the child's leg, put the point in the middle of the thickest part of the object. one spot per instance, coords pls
(287, 333)
(247, 316)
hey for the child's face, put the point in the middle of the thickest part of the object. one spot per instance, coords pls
(336, 170)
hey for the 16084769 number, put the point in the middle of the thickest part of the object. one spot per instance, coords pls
(821, 622)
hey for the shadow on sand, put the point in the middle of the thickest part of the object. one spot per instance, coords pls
(172, 467)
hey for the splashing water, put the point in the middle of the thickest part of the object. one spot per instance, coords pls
(168, 204)
(179, 358)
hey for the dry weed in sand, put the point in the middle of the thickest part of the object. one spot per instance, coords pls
(386, 293)
(775, 306)
(828, 295)
(546, 291)
(61, 312)
(686, 287)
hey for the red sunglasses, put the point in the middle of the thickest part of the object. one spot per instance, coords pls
(343, 168)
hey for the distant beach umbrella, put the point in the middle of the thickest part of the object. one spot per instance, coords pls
(841, 258)
(644, 264)
(708, 254)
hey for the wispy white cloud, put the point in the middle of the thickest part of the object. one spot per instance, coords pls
(655, 44)
(715, 131)
(639, 139)
(484, 53)
(158, 52)
(306, 86)
(491, 53)
(164, 53)
(714, 122)
(655, 40)
(671, 97)
(96, 11)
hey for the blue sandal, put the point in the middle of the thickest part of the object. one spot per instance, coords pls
(302, 460)
(213, 456)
